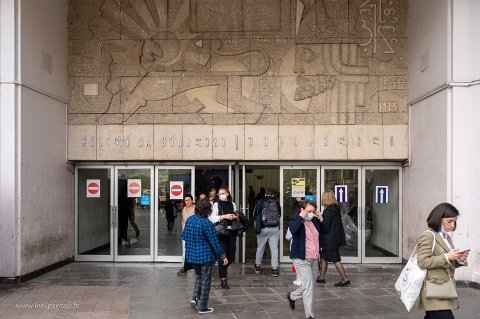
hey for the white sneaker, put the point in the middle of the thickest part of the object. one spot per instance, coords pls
(297, 282)
(132, 240)
(124, 242)
(194, 304)
(208, 310)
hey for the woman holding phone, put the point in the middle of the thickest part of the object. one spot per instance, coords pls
(440, 260)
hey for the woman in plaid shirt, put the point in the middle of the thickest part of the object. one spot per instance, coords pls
(201, 249)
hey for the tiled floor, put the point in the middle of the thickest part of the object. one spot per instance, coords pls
(144, 291)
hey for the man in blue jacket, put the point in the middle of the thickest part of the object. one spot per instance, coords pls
(201, 249)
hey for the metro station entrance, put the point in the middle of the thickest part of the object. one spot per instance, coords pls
(133, 212)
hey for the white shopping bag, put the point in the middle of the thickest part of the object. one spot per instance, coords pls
(410, 281)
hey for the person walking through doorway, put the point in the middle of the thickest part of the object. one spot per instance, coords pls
(225, 209)
(333, 240)
(306, 227)
(267, 218)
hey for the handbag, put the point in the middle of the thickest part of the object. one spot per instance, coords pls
(410, 281)
(240, 224)
(221, 228)
(441, 291)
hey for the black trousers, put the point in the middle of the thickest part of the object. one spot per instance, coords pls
(439, 314)
(229, 245)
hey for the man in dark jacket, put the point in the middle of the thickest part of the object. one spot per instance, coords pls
(267, 219)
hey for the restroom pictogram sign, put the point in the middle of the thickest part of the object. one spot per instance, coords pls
(134, 187)
(93, 188)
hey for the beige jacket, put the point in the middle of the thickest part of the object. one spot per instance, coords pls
(438, 269)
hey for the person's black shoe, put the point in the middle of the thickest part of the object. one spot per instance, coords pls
(256, 268)
(342, 283)
(137, 234)
(181, 272)
(291, 301)
(275, 272)
(321, 280)
(224, 284)
(310, 318)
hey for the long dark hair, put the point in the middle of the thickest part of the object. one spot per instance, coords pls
(443, 210)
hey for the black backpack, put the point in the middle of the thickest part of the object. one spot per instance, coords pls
(270, 213)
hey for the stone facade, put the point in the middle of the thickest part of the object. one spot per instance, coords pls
(237, 79)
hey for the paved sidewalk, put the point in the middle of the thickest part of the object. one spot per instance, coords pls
(145, 291)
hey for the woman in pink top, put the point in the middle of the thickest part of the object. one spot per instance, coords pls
(306, 227)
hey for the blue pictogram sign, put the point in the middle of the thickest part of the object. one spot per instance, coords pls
(341, 192)
(381, 194)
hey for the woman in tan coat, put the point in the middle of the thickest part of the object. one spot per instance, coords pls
(441, 263)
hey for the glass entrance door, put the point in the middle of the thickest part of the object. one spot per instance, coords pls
(296, 184)
(381, 218)
(344, 182)
(95, 218)
(134, 188)
(172, 184)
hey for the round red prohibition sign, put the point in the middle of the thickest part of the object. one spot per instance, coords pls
(93, 188)
(176, 190)
(134, 188)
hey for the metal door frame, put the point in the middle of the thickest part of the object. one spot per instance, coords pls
(161, 258)
(130, 258)
(282, 235)
(113, 242)
(349, 259)
(382, 260)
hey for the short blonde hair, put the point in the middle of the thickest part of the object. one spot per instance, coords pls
(328, 198)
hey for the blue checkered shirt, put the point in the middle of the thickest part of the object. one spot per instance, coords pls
(201, 242)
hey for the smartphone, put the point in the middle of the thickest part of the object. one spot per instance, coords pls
(463, 250)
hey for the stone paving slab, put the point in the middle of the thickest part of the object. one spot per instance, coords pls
(147, 290)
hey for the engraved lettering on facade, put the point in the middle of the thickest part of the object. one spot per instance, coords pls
(375, 21)
(395, 82)
(198, 141)
(342, 141)
(376, 140)
(388, 107)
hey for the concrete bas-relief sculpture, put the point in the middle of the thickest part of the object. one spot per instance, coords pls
(162, 66)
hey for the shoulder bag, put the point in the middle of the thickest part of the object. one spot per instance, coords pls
(446, 290)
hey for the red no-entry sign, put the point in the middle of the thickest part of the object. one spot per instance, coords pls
(134, 187)
(93, 188)
(176, 190)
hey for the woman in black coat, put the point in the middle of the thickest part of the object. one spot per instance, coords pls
(333, 240)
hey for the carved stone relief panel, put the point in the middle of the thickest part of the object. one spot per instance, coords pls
(244, 63)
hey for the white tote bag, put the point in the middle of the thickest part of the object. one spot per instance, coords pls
(410, 281)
